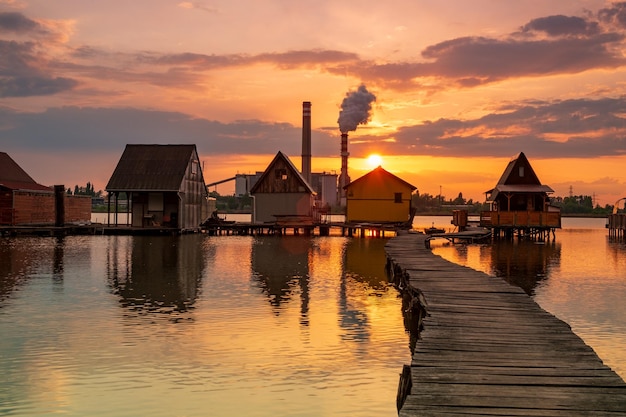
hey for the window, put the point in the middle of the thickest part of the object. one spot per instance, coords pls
(521, 171)
(397, 197)
(281, 174)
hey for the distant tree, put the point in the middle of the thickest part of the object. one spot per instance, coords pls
(86, 190)
(459, 200)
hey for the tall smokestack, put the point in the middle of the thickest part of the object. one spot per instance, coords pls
(344, 179)
(355, 110)
(306, 140)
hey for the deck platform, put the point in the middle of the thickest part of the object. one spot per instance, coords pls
(485, 348)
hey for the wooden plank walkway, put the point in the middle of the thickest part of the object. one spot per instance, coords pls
(487, 349)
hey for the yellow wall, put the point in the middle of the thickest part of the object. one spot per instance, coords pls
(372, 198)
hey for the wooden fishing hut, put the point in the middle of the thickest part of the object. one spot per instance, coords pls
(616, 222)
(24, 202)
(164, 186)
(520, 204)
(283, 197)
(379, 197)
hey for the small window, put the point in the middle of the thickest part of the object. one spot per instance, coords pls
(281, 174)
(194, 168)
(397, 197)
(521, 171)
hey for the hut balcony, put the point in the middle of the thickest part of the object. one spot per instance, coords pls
(537, 219)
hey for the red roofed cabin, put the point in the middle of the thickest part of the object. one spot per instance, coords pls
(24, 202)
(519, 202)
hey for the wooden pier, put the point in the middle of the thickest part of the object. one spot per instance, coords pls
(616, 223)
(300, 228)
(482, 347)
(219, 229)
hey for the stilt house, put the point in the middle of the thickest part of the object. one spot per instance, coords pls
(379, 196)
(163, 184)
(519, 202)
(281, 194)
(25, 202)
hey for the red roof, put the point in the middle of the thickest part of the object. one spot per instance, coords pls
(13, 177)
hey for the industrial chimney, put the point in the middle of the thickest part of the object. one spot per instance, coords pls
(306, 140)
(344, 179)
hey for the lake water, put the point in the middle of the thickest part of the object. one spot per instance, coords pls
(201, 325)
(198, 326)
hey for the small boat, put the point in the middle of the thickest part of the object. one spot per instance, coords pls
(431, 230)
(216, 220)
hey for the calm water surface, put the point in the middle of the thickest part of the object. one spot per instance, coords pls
(198, 326)
(580, 277)
(255, 326)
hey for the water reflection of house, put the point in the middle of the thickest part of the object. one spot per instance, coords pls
(520, 203)
(379, 196)
(525, 263)
(282, 192)
(25, 202)
(364, 270)
(281, 267)
(165, 185)
(158, 274)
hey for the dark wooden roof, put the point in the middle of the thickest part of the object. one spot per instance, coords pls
(297, 180)
(512, 182)
(13, 177)
(151, 168)
(380, 172)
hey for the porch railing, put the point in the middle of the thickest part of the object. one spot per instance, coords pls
(550, 219)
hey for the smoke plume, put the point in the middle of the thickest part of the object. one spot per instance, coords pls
(355, 109)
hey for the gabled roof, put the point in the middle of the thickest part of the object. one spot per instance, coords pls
(512, 182)
(151, 167)
(379, 172)
(13, 177)
(282, 157)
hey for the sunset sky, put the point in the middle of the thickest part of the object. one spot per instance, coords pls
(461, 87)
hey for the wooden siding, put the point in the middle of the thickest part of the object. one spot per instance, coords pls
(520, 219)
(373, 198)
(280, 178)
(194, 204)
(370, 210)
(269, 205)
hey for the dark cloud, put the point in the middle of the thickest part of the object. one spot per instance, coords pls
(472, 61)
(560, 129)
(101, 129)
(285, 60)
(17, 23)
(616, 14)
(24, 68)
(23, 72)
(34, 86)
(562, 26)
(544, 46)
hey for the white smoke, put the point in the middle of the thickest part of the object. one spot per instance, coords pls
(355, 109)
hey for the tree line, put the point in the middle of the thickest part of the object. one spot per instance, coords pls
(423, 203)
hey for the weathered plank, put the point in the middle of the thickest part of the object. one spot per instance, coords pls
(486, 348)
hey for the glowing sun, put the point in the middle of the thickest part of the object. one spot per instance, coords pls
(374, 160)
